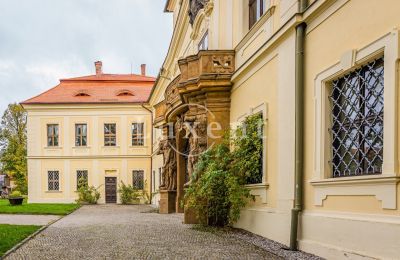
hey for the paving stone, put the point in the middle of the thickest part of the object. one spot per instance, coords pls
(122, 232)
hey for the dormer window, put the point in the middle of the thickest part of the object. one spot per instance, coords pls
(124, 93)
(82, 94)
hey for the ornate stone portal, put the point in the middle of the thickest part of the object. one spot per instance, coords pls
(194, 116)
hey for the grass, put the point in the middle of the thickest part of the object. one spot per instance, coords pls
(10, 235)
(37, 208)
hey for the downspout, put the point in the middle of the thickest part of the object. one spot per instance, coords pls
(151, 156)
(299, 127)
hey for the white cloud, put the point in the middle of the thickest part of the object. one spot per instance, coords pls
(44, 40)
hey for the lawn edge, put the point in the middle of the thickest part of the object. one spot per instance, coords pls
(34, 234)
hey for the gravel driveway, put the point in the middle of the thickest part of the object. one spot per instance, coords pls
(121, 232)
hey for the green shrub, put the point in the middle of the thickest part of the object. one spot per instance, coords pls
(15, 194)
(248, 150)
(127, 193)
(218, 192)
(88, 194)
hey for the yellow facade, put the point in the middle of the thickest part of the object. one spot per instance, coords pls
(349, 217)
(98, 160)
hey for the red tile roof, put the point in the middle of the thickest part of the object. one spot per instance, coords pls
(104, 88)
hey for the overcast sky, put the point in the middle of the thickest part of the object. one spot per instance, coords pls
(42, 41)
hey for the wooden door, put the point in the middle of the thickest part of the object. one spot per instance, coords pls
(111, 189)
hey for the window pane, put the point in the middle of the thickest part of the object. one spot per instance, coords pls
(84, 141)
(81, 178)
(357, 121)
(53, 180)
(138, 179)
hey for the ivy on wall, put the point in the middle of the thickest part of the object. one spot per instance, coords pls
(218, 192)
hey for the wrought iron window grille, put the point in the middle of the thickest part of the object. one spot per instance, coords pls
(138, 179)
(53, 180)
(81, 178)
(357, 121)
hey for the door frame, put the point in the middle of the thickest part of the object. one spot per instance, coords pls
(105, 189)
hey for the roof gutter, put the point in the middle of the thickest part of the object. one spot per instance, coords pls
(299, 127)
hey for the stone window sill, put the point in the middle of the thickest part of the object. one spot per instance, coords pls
(53, 147)
(259, 189)
(81, 147)
(53, 191)
(383, 187)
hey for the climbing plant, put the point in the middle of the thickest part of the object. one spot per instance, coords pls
(218, 192)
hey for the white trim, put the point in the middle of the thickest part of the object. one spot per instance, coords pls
(259, 189)
(382, 187)
(47, 170)
(388, 45)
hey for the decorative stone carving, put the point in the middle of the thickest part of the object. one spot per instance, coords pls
(197, 142)
(171, 93)
(194, 7)
(168, 176)
(222, 63)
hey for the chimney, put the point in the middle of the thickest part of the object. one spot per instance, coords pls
(143, 69)
(99, 69)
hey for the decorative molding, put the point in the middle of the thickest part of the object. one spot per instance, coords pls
(201, 16)
(263, 19)
(259, 190)
(382, 187)
(194, 8)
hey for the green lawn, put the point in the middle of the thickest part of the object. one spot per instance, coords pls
(37, 208)
(10, 235)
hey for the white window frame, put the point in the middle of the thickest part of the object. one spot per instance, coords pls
(59, 180)
(76, 176)
(259, 189)
(382, 186)
(131, 133)
(144, 177)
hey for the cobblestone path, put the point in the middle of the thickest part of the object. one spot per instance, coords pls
(122, 232)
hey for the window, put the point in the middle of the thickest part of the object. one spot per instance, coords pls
(80, 135)
(110, 134)
(125, 93)
(203, 44)
(52, 135)
(53, 180)
(137, 134)
(82, 94)
(138, 179)
(357, 121)
(256, 9)
(81, 178)
(257, 175)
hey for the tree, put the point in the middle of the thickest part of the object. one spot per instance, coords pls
(13, 145)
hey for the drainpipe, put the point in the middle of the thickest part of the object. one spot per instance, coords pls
(299, 127)
(151, 156)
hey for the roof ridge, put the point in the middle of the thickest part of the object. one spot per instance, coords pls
(134, 77)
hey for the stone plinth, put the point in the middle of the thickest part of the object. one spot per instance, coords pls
(189, 216)
(167, 201)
